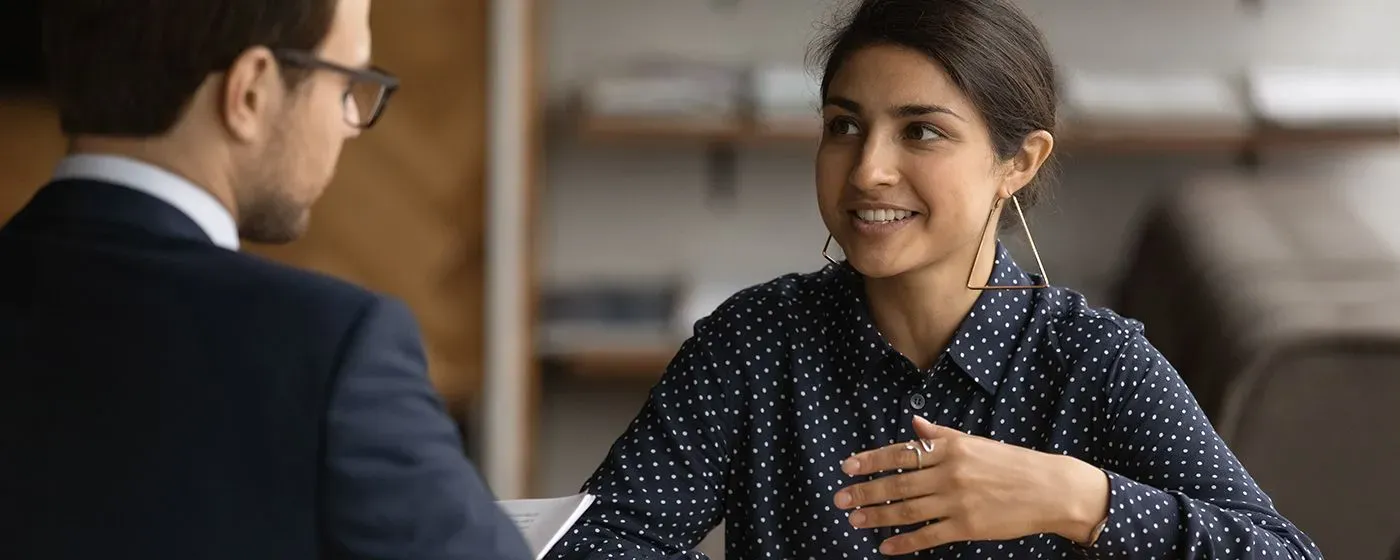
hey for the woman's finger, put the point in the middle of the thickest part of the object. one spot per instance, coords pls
(931, 536)
(928, 430)
(903, 486)
(907, 512)
(900, 456)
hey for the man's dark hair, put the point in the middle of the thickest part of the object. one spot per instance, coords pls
(130, 68)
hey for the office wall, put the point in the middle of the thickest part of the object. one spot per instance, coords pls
(600, 198)
(641, 211)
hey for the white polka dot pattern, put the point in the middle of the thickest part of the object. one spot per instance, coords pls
(786, 379)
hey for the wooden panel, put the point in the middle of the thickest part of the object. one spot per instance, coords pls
(404, 214)
(30, 145)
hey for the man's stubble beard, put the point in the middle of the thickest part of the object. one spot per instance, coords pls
(268, 212)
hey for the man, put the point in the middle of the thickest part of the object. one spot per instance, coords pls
(165, 396)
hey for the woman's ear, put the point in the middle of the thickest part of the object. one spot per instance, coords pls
(1026, 163)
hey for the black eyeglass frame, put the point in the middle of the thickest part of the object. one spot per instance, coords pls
(387, 82)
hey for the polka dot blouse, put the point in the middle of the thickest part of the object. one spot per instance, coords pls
(786, 379)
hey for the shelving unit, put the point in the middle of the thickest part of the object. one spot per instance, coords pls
(1097, 140)
(601, 360)
(724, 138)
(631, 364)
(607, 129)
(648, 361)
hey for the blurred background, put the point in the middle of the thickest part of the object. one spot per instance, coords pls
(562, 187)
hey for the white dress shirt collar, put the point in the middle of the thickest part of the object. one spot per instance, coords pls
(194, 202)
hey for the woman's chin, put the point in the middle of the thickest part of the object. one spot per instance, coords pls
(878, 265)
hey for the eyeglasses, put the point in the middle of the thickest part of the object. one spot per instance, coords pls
(366, 95)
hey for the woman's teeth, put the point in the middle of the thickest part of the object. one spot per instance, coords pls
(883, 215)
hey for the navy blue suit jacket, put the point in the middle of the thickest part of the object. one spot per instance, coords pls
(161, 397)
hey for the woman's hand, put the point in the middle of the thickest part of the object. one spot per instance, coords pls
(977, 488)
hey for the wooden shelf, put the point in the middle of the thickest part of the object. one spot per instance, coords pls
(1280, 137)
(632, 363)
(1148, 144)
(602, 351)
(1088, 140)
(606, 129)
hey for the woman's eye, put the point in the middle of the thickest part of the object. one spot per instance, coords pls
(923, 132)
(842, 127)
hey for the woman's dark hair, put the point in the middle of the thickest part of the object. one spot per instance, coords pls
(990, 49)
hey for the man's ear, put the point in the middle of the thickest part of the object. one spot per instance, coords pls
(1035, 151)
(251, 91)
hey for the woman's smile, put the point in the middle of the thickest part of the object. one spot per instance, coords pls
(881, 222)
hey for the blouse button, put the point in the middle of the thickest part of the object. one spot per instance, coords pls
(916, 402)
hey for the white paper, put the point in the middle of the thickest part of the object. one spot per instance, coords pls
(545, 521)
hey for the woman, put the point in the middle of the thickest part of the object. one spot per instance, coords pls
(894, 403)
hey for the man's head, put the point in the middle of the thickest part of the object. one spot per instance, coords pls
(251, 99)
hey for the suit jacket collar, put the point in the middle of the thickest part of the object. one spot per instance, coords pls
(196, 203)
(82, 205)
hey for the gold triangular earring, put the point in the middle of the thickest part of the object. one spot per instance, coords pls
(826, 247)
(991, 223)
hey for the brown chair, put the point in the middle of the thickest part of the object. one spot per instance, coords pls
(1281, 310)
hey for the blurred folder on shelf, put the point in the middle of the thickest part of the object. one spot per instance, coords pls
(1108, 107)
(1326, 99)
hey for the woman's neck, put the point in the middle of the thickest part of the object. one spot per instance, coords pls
(919, 311)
